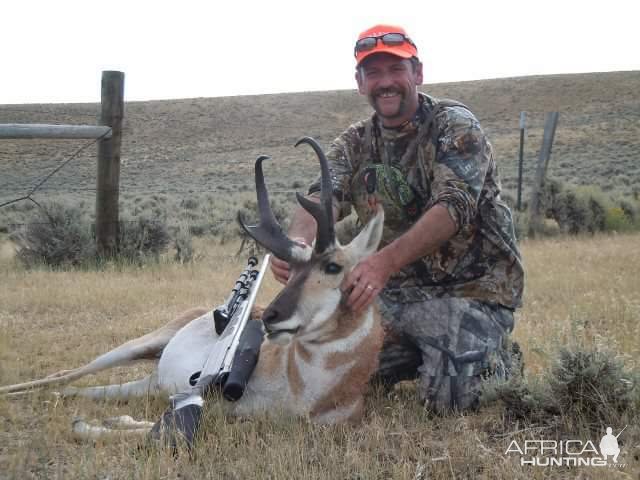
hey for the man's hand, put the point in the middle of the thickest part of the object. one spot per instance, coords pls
(366, 281)
(280, 269)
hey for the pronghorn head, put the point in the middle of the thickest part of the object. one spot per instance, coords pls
(311, 300)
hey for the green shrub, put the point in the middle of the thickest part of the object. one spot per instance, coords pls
(597, 209)
(190, 204)
(184, 246)
(630, 211)
(585, 385)
(580, 210)
(585, 209)
(571, 212)
(591, 385)
(141, 238)
(551, 190)
(617, 221)
(197, 230)
(58, 235)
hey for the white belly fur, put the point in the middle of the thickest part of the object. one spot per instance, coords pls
(186, 354)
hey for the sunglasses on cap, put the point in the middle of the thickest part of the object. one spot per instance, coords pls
(390, 39)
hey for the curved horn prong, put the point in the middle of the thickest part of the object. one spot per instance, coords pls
(323, 239)
(323, 213)
(268, 232)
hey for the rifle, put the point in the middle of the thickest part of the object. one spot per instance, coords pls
(229, 365)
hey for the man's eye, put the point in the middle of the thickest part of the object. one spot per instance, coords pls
(332, 268)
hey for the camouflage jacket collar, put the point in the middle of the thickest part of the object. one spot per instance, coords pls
(410, 127)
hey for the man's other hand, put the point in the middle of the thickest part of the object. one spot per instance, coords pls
(280, 269)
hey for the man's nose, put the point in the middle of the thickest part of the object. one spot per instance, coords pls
(386, 79)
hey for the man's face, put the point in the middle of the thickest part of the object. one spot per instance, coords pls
(390, 84)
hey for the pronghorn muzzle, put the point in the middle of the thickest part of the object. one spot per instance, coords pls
(283, 307)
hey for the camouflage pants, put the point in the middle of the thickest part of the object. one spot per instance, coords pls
(449, 344)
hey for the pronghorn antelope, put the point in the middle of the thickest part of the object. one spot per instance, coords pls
(317, 356)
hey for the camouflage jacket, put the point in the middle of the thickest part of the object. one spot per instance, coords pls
(441, 157)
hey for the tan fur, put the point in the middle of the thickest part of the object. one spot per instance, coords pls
(303, 352)
(293, 373)
(368, 348)
(354, 383)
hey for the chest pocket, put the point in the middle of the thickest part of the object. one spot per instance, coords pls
(390, 186)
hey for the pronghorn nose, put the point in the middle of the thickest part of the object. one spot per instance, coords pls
(270, 316)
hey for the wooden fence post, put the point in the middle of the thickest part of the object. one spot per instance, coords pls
(108, 180)
(535, 219)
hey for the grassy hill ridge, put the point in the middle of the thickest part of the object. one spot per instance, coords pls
(206, 146)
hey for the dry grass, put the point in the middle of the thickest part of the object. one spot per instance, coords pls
(585, 289)
(579, 290)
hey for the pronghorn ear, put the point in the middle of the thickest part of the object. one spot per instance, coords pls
(368, 239)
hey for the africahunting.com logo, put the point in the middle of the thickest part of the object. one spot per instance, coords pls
(569, 453)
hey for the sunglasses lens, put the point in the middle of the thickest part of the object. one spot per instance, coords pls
(393, 39)
(366, 44)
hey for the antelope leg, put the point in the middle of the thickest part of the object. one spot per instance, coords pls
(137, 388)
(146, 347)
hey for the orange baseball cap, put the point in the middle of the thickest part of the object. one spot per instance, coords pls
(377, 40)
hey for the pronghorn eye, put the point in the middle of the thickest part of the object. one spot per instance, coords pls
(332, 268)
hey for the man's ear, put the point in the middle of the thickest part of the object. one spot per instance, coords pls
(359, 81)
(419, 73)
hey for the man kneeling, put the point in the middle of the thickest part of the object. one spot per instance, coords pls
(448, 275)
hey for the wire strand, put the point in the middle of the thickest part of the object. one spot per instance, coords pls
(55, 170)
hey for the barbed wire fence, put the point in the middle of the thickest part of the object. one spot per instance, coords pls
(43, 186)
(12, 194)
(40, 186)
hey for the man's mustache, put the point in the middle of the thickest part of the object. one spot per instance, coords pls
(382, 91)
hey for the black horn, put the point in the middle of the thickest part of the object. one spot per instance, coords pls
(322, 212)
(268, 232)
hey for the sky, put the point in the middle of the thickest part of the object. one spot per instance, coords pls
(54, 51)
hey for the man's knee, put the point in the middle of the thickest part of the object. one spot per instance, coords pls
(450, 393)
(397, 362)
